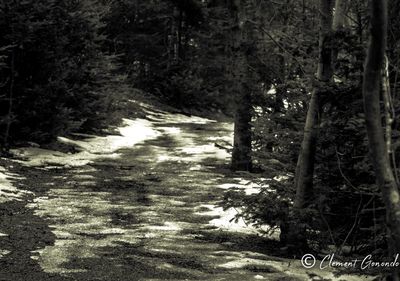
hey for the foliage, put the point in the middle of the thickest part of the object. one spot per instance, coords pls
(347, 207)
(173, 50)
(58, 71)
(59, 62)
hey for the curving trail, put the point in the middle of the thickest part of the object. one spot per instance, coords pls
(136, 206)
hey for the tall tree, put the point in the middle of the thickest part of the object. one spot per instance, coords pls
(241, 154)
(305, 164)
(378, 151)
(291, 233)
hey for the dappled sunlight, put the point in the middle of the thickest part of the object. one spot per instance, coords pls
(148, 197)
(131, 132)
(227, 221)
(171, 130)
(3, 253)
(82, 223)
(248, 187)
(34, 157)
(85, 219)
(168, 158)
(8, 191)
(201, 152)
(166, 229)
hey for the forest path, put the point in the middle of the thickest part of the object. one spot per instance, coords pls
(139, 210)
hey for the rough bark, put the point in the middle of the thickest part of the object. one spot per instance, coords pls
(241, 154)
(378, 150)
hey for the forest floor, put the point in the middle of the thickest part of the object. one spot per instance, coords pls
(138, 205)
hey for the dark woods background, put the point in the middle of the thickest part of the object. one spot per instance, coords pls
(66, 65)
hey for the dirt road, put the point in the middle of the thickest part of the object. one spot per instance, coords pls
(138, 206)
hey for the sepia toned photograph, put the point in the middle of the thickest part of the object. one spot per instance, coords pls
(199, 140)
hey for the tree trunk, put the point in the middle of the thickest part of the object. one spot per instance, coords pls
(241, 154)
(387, 105)
(5, 146)
(340, 19)
(378, 150)
(389, 115)
(340, 23)
(291, 234)
(179, 35)
(305, 164)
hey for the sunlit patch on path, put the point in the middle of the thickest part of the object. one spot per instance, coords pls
(8, 191)
(130, 133)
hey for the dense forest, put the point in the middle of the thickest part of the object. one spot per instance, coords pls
(312, 88)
